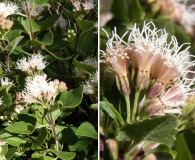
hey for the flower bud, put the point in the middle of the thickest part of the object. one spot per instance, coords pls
(62, 87)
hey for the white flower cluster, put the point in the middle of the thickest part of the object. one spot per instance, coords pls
(91, 85)
(38, 89)
(7, 9)
(79, 6)
(33, 63)
(159, 67)
(5, 81)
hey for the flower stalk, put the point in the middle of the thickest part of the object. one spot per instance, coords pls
(128, 106)
(135, 105)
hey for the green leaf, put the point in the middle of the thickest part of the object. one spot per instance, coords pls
(11, 139)
(10, 153)
(55, 114)
(109, 109)
(72, 98)
(28, 118)
(80, 145)
(163, 148)
(64, 155)
(69, 15)
(13, 44)
(61, 154)
(89, 68)
(4, 150)
(40, 139)
(7, 100)
(49, 22)
(127, 10)
(85, 42)
(182, 149)
(160, 129)
(85, 24)
(47, 158)
(94, 106)
(21, 128)
(54, 107)
(25, 23)
(87, 130)
(48, 38)
(11, 35)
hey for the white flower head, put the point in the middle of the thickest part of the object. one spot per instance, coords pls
(5, 81)
(88, 5)
(34, 62)
(7, 9)
(91, 85)
(62, 22)
(116, 56)
(91, 61)
(37, 88)
(77, 5)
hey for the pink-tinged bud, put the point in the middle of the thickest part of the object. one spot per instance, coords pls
(62, 87)
(123, 85)
(153, 107)
(163, 72)
(56, 83)
(117, 59)
(171, 100)
(143, 57)
(156, 89)
(6, 24)
(142, 80)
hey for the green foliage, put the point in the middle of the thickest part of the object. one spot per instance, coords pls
(72, 98)
(128, 10)
(87, 130)
(182, 148)
(141, 135)
(109, 109)
(45, 127)
(158, 129)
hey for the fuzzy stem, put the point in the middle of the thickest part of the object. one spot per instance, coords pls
(135, 105)
(127, 100)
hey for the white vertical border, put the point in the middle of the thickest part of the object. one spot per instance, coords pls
(98, 79)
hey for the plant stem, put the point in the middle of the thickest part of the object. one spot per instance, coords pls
(127, 100)
(135, 105)
(133, 146)
(52, 124)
